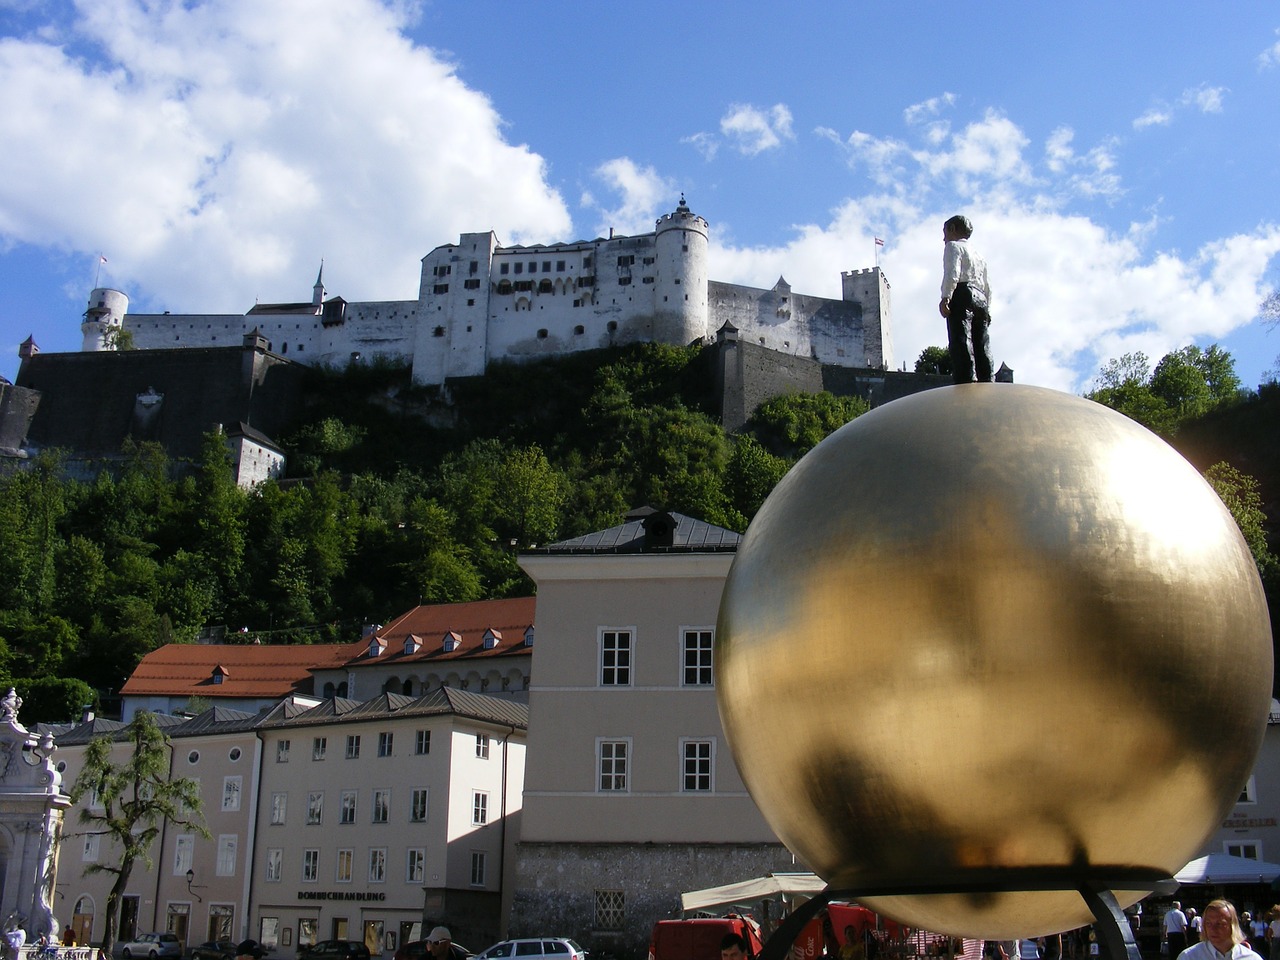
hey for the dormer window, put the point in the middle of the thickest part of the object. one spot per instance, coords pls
(412, 644)
(528, 637)
(491, 638)
(376, 646)
(219, 674)
(451, 642)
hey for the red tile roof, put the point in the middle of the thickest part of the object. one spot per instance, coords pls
(186, 669)
(508, 620)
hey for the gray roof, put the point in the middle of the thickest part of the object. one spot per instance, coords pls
(637, 536)
(440, 702)
(82, 733)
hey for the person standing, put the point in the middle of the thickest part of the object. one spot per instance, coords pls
(966, 304)
(1223, 938)
(1175, 930)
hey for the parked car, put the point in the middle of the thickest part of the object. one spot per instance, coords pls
(417, 950)
(542, 948)
(335, 950)
(214, 950)
(152, 945)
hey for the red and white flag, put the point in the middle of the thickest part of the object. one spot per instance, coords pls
(102, 259)
(879, 242)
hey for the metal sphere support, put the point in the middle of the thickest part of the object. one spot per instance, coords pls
(1095, 886)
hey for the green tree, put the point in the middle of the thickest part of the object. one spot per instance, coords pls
(792, 424)
(1239, 492)
(1181, 384)
(936, 360)
(54, 699)
(529, 494)
(132, 801)
(751, 475)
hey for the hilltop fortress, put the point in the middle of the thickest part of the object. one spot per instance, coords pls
(479, 302)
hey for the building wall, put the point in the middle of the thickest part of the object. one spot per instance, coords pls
(654, 838)
(451, 773)
(1253, 826)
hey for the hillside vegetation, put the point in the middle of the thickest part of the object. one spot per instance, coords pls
(402, 494)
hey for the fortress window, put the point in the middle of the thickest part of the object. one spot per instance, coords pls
(627, 260)
(559, 266)
(677, 280)
(472, 284)
(586, 281)
(471, 303)
(284, 347)
(475, 266)
(542, 334)
(438, 332)
(519, 268)
(624, 281)
(546, 266)
(586, 262)
(613, 326)
(545, 286)
(503, 268)
(646, 279)
(579, 330)
(524, 286)
(577, 303)
(441, 288)
(647, 261)
(301, 347)
(685, 248)
(533, 266)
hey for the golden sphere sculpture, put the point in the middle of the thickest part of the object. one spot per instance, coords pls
(992, 626)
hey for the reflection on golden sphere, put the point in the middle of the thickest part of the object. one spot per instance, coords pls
(992, 626)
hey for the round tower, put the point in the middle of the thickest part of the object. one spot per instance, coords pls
(104, 316)
(680, 248)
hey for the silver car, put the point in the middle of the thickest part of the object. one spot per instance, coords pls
(152, 945)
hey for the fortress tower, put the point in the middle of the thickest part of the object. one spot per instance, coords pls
(680, 295)
(104, 315)
(869, 288)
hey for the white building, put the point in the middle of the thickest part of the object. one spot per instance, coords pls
(479, 302)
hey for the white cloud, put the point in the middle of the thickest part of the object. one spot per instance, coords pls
(753, 130)
(212, 150)
(642, 191)
(1203, 98)
(1271, 56)
(1069, 292)
(705, 143)
(923, 112)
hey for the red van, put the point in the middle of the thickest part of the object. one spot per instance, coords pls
(700, 939)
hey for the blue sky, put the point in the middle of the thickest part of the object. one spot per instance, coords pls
(1116, 158)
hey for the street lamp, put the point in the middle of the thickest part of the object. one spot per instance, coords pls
(191, 876)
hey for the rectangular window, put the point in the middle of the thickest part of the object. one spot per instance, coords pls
(613, 764)
(381, 806)
(473, 284)
(440, 288)
(92, 844)
(315, 808)
(378, 865)
(546, 266)
(275, 864)
(422, 742)
(279, 804)
(282, 751)
(610, 909)
(415, 865)
(418, 805)
(615, 658)
(384, 744)
(1248, 849)
(519, 268)
(342, 874)
(353, 746)
(348, 812)
(231, 793)
(697, 755)
(697, 658)
(310, 866)
(559, 266)
(477, 868)
(226, 862)
(318, 747)
(183, 849)
(504, 268)
(479, 808)
(482, 746)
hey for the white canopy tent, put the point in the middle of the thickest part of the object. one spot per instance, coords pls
(1223, 868)
(753, 891)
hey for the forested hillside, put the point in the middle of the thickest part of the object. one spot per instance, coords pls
(400, 494)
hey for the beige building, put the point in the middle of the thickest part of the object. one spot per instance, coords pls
(193, 886)
(375, 817)
(631, 794)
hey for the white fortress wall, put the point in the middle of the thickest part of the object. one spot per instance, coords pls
(165, 331)
(365, 331)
